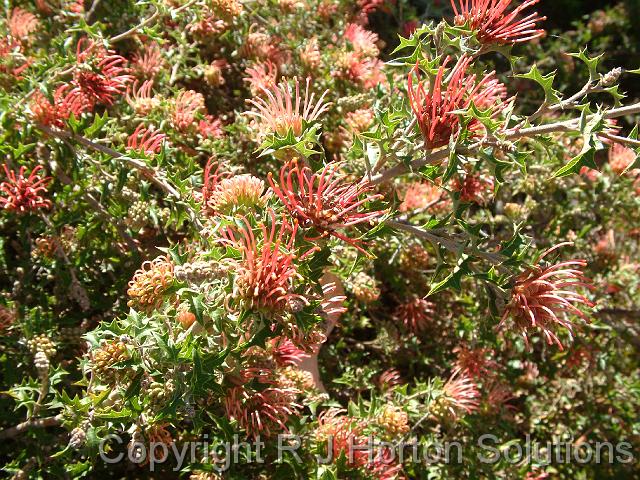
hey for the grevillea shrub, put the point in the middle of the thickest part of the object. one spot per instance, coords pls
(225, 222)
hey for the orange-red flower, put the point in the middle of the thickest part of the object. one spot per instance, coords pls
(22, 194)
(188, 105)
(147, 141)
(434, 105)
(260, 404)
(100, 74)
(493, 23)
(55, 113)
(544, 297)
(326, 201)
(460, 395)
(149, 62)
(474, 361)
(261, 77)
(283, 111)
(21, 24)
(415, 314)
(266, 273)
(474, 188)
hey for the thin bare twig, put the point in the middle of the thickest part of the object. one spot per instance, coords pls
(450, 244)
(134, 30)
(34, 423)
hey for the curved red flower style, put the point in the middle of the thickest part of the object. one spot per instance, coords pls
(434, 104)
(56, 113)
(22, 194)
(326, 201)
(100, 74)
(416, 314)
(282, 110)
(211, 185)
(494, 24)
(265, 275)
(543, 298)
(263, 410)
(147, 141)
(460, 394)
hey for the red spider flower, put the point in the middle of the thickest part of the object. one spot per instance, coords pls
(261, 77)
(211, 184)
(352, 66)
(12, 60)
(21, 24)
(147, 141)
(421, 195)
(434, 109)
(341, 434)
(23, 194)
(188, 105)
(474, 188)
(415, 314)
(266, 273)
(236, 192)
(474, 361)
(326, 201)
(100, 74)
(389, 379)
(310, 54)
(543, 298)
(56, 113)
(149, 62)
(363, 41)
(460, 395)
(210, 127)
(344, 436)
(370, 6)
(620, 158)
(494, 24)
(262, 409)
(141, 98)
(283, 111)
(286, 353)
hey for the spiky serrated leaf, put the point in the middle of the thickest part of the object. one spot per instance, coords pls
(545, 81)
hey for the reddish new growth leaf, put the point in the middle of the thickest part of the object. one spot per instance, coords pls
(55, 113)
(265, 275)
(147, 141)
(434, 104)
(22, 194)
(100, 74)
(494, 24)
(543, 298)
(326, 201)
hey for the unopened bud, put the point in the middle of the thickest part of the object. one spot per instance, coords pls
(611, 77)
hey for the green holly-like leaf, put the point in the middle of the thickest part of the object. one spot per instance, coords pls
(545, 81)
(453, 279)
(583, 159)
(591, 63)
